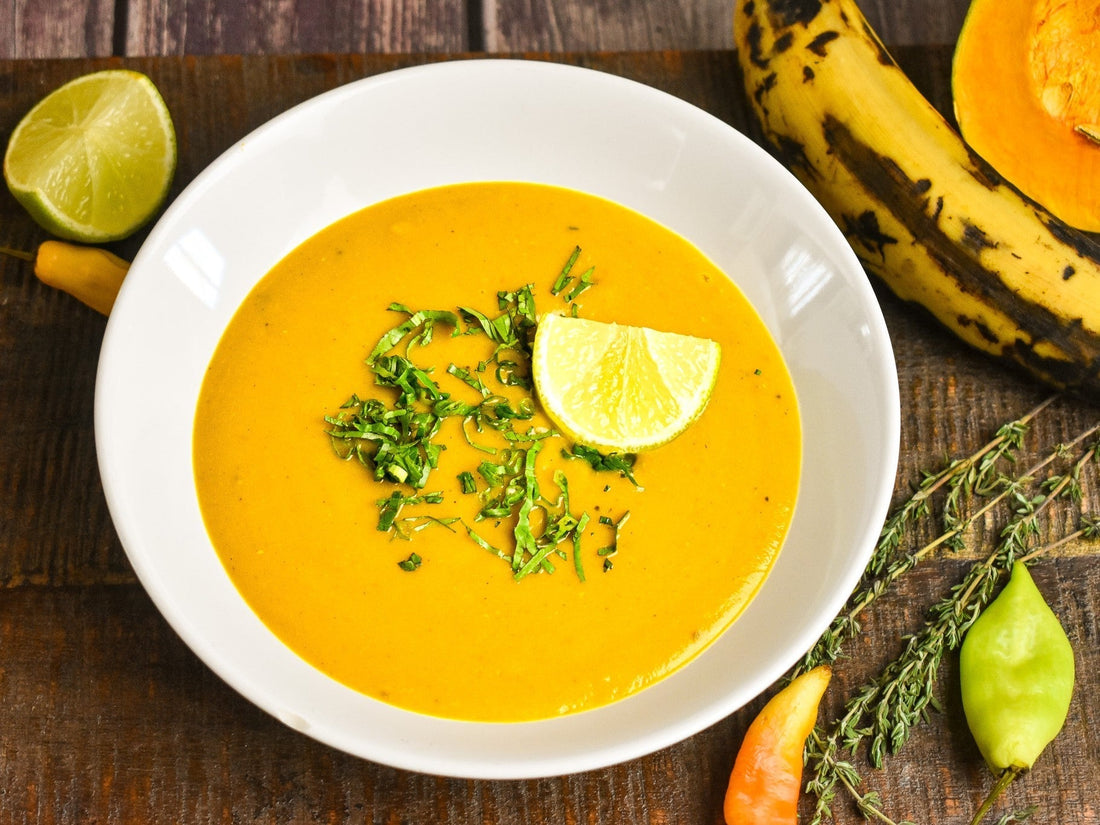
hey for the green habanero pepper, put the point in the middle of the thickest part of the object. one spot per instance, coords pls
(1016, 673)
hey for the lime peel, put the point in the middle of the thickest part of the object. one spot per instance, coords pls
(621, 388)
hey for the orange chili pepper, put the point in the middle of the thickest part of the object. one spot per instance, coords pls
(766, 781)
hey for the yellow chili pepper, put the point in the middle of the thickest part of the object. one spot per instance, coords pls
(88, 273)
(766, 781)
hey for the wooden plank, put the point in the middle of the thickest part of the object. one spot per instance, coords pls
(296, 27)
(85, 28)
(568, 26)
(555, 26)
(56, 28)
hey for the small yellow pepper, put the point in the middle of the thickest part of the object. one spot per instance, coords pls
(1016, 675)
(766, 781)
(88, 273)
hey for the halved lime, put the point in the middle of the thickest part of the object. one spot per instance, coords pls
(94, 159)
(621, 388)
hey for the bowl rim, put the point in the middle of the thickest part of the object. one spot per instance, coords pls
(394, 753)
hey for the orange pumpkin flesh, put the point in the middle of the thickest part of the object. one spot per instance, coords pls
(1026, 85)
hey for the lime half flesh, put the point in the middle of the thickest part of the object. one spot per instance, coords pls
(94, 159)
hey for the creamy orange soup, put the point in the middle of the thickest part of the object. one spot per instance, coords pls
(426, 617)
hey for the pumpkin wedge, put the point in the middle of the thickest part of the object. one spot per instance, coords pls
(1027, 99)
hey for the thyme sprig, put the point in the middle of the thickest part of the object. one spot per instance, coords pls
(882, 713)
(977, 473)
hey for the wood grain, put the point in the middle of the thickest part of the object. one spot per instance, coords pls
(99, 28)
(56, 28)
(107, 717)
(565, 25)
(296, 27)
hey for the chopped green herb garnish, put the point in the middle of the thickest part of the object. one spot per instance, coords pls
(466, 482)
(485, 545)
(404, 527)
(582, 284)
(613, 548)
(622, 463)
(424, 321)
(413, 562)
(564, 277)
(389, 508)
(468, 378)
(397, 440)
(578, 565)
(525, 539)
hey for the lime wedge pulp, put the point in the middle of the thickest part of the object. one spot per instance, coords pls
(621, 388)
(94, 159)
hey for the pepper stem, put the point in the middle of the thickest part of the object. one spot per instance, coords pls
(17, 253)
(1003, 781)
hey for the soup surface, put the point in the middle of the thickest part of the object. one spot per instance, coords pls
(430, 614)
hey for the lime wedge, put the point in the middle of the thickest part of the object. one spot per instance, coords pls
(94, 159)
(621, 388)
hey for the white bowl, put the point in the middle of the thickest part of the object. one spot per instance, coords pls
(497, 120)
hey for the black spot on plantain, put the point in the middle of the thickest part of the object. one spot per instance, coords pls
(1068, 272)
(763, 87)
(749, 9)
(1080, 376)
(982, 172)
(783, 43)
(807, 74)
(864, 229)
(793, 12)
(1085, 244)
(756, 52)
(983, 330)
(920, 189)
(792, 154)
(818, 44)
(975, 239)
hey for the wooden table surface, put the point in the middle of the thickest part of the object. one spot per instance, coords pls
(107, 717)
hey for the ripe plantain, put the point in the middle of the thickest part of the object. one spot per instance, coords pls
(922, 211)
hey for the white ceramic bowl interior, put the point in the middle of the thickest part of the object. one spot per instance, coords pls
(497, 120)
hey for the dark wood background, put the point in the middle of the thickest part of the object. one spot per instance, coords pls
(106, 717)
(99, 28)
